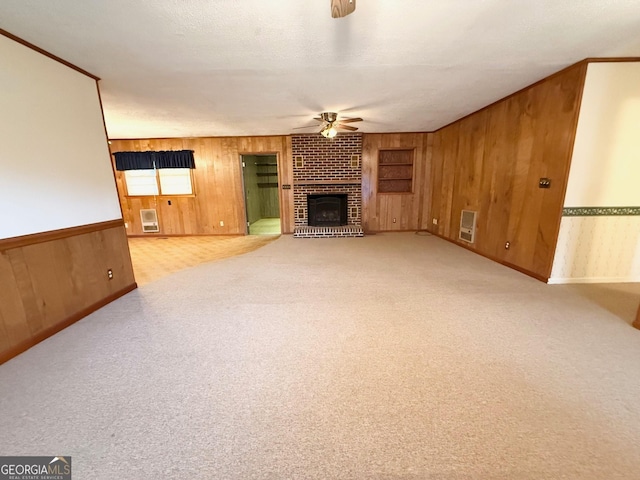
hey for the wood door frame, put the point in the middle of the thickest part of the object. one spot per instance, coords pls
(244, 191)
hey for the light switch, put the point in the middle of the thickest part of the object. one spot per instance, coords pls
(544, 183)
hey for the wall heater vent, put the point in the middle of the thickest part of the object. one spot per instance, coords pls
(149, 219)
(468, 226)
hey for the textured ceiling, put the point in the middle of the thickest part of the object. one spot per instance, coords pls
(181, 68)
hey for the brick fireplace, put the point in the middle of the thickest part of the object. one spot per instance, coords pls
(330, 167)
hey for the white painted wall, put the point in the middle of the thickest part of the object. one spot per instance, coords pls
(605, 167)
(55, 170)
(605, 172)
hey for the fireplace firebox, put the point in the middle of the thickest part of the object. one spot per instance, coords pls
(327, 210)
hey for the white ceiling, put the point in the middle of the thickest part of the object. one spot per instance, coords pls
(182, 68)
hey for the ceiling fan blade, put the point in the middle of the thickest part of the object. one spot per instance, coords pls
(342, 8)
(308, 126)
(350, 120)
(346, 127)
(318, 119)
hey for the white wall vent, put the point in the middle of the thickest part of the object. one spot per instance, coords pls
(468, 226)
(149, 219)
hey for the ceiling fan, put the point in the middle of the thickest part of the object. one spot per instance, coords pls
(342, 8)
(331, 124)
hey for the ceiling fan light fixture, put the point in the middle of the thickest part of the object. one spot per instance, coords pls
(329, 131)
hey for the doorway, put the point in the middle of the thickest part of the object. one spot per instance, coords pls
(260, 178)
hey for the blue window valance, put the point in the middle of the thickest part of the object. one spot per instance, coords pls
(150, 160)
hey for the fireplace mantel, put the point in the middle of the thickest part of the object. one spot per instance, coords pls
(344, 181)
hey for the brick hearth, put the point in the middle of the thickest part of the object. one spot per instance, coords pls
(321, 166)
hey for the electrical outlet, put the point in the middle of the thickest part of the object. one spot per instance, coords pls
(394, 220)
(221, 223)
(507, 245)
(126, 225)
(434, 221)
(110, 274)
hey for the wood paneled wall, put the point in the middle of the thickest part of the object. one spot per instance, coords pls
(410, 210)
(491, 162)
(218, 194)
(218, 185)
(50, 280)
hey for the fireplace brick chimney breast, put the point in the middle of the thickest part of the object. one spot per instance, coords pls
(330, 166)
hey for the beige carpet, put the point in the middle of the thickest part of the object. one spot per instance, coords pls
(391, 356)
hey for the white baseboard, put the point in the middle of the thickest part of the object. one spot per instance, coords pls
(562, 281)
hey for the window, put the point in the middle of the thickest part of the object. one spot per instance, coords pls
(175, 181)
(395, 171)
(141, 182)
(164, 181)
(156, 173)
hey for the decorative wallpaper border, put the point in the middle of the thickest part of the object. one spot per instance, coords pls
(600, 211)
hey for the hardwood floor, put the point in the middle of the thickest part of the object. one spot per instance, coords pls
(157, 257)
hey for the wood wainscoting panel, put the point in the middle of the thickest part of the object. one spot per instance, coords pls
(13, 317)
(379, 210)
(49, 284)
(24, 240)
(217, 184)
(491, 162)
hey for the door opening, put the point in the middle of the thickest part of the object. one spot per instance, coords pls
(262, 202)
